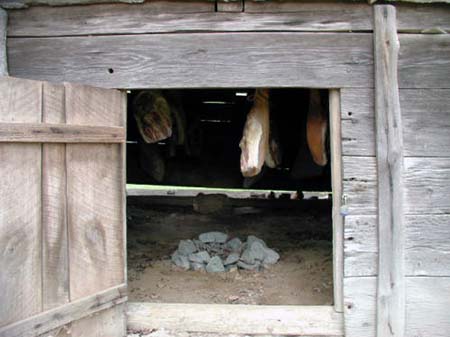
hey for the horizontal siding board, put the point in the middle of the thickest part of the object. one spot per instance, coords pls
(107, 19)
(198, 60)
(427, 245)
(425, 118)
(424, 61)
(426, 306)
(426, 180)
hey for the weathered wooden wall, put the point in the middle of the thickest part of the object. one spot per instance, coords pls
(284, 44)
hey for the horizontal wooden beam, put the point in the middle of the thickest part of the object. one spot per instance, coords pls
(221, 60)
(54, 318)
(237, 319)
(59, 133)
(427, 247)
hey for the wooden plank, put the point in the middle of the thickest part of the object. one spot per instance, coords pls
(59, 133)
(424, 61)
(107, 19)
(235, 6)
(106, 323)
(427, 248)
(158, 5)
(426, 122)
(336, 180)
(3, 31)
(313, 60)
(423, 18)
(20, 206)
(426, 307)
(389, 151)
(426, 180)
(94, 185)
(55, 264)
(236, 319)
(67, 313)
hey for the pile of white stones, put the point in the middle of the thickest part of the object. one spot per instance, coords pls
(216, 252)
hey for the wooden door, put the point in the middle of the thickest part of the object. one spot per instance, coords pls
(62, 213)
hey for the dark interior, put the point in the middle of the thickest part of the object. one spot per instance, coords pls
(215, 119)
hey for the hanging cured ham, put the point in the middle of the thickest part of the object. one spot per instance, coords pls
(316, 129)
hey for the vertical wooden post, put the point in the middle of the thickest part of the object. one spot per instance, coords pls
(3, 56)
(391, 281)
(336, 180)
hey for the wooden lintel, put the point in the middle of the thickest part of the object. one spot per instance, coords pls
(389, 151)
(59, 133)
(52, 319)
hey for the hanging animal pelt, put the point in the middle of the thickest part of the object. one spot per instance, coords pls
(153, 116)
(255, 138)
(316, 129)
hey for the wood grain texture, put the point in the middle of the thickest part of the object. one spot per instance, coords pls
(426, 181)
(415, 18)
(107, 19)
(3, 32)
(236, 319)
(234, 6)
(107, 323)
(424, 61)
(389, 153)
(427, 248)
(75, 310)
(55, 263)
(20, 206)
(59, 133)
(426, 306)
(313, 60)
(336, 181)
(94, 184)
(425, 115)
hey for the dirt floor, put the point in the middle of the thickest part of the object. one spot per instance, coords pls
(301, 237)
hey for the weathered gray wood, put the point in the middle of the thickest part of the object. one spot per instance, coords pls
(106, 323)
(424, 61)
(426, 306)
(55, 263)
(20, 206)
(336, 180)
(426, 181)
(70, 312)
(94, 179)
(110, 19)
(420, 18)
(198, 60)
(235, 6)
(427, 248)
(236, 319)
(426, 122)
(59, 133)
(389, 151)
(3, 32)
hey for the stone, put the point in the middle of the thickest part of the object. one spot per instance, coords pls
(248, 266)
(257, 250)
(232, 258)
(215, 265)
(180, 260)
(200, 245)
(200, 257)
(246, 257)
(217, 237)
(234, 245)
(252, 238)
(271, 256)
(197, 266)
(186, 247)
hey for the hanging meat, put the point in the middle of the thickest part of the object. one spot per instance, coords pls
(316, 129)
